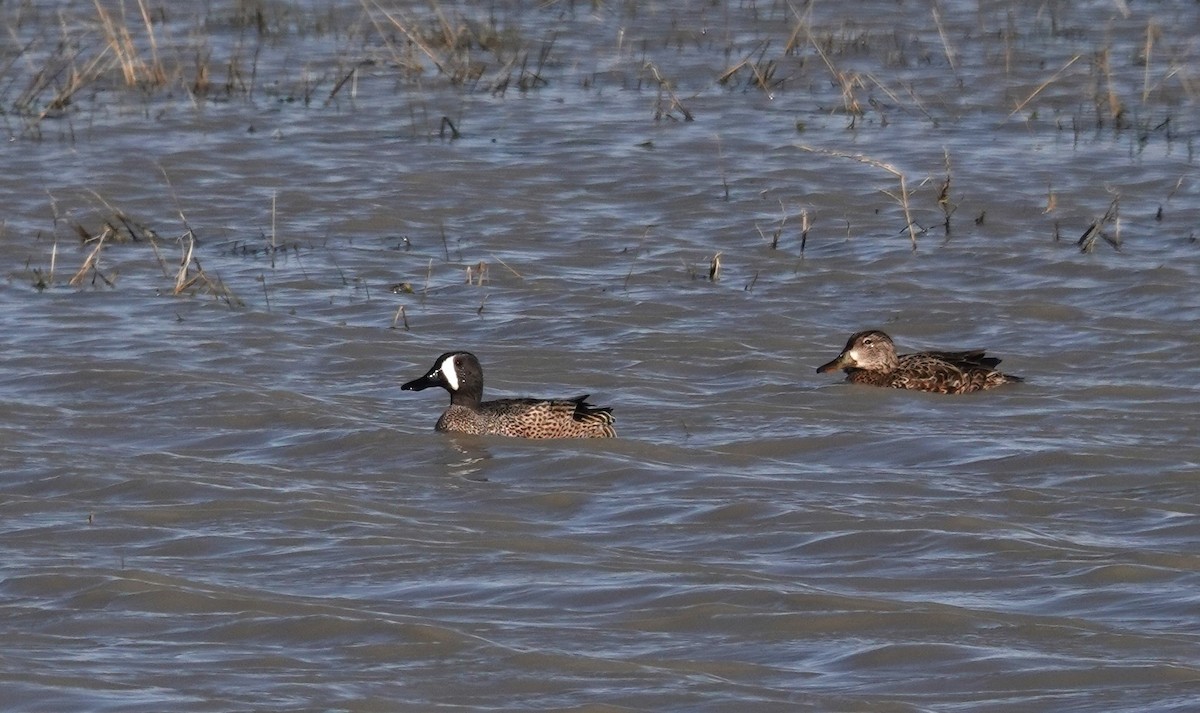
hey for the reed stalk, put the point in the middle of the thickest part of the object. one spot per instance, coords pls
(901, 197)
(401, 315)
(1042, 87)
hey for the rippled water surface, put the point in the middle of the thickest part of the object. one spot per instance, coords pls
(215, 496)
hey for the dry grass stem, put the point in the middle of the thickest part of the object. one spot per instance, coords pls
(91, 263)
(135, 70)
(450, 44)
(663, 109)
(351, 76)
(181, 278)
(1110, 100)
(943, 199)
(916, 101)
(203, 282)
(762, 70)
(901, 198)
(118, 227)
(847, 82)
(401, 315)
(477, 274)
(262, 277)
(1087, 241)
(508, 267)
(1152, 33)
(783, 218)
(405, 28)
(1041, 87)
(947, 48)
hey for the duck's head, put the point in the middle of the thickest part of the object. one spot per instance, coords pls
(871, 350)
(456, 372)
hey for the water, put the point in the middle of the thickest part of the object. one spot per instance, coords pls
(220, 500)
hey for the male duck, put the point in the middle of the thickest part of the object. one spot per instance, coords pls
(461, 375)
(870, 358)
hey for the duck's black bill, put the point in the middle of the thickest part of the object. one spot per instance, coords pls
(422, 383)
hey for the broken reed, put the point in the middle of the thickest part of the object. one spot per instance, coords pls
(1097, 229)
(118, 229)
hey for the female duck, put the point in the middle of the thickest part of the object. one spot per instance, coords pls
(870, 358)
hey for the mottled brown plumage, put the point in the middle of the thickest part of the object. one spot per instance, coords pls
(870, 358)
(461, 375)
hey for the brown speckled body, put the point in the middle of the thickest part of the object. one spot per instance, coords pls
(530, 418)
(461, 375)
(870, 358)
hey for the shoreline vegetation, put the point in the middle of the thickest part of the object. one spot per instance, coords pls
(1128, 74)
(1053, 67)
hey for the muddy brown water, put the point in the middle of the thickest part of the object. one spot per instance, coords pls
(221, 500)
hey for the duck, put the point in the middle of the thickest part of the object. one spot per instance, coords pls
(461, 374)
(870, 358)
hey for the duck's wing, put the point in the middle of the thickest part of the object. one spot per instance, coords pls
(968, 358)
(949, 372)
(549, 418)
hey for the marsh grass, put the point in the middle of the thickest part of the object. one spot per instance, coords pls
(476, 54)
(1099, 229)
(667, 102)
(759, 69)
(99, 48)
(137, 69)
(1053, 66)
(117, 48)
(91, 264)
(106, 228)
(192, 278)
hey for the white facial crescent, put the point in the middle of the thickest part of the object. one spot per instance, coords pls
(449, 373)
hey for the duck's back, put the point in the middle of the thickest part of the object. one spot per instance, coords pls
(947, 372)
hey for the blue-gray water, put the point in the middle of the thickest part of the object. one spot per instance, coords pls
(221, 500)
